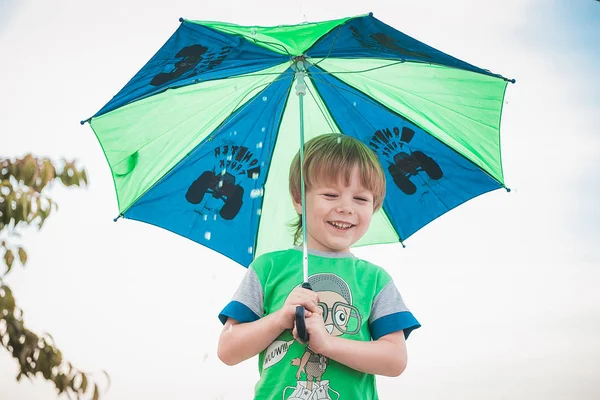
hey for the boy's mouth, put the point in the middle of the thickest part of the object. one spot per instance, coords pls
(340, 225)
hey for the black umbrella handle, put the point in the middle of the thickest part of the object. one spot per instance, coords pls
(300, 322)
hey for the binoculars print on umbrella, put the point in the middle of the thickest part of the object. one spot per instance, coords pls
(222, 186)
(194, 58)
(404, 164)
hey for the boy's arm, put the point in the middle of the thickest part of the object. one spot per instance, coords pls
(384, 356)
(240, 341)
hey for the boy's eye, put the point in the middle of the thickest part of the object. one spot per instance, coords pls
(361, 198)
(332, 195)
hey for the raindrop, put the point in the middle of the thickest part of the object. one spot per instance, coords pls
(255, 175)
(224, 171)
(207, 235)
(256, 193)
(228, 158)
(253, 31)
(262, 164)
(259, 145)
(205, 217)
(215, 217)
(263, 129)
(339, 140)
(220, 184)
(234, 133)
(250, 249)
(259, 211)
(354, 103)
(265, 98)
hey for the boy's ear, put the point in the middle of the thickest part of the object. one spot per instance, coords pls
(297, 205)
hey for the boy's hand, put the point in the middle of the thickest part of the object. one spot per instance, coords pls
(298, 297)
(318, 336)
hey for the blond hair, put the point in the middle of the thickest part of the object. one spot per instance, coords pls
(328, 158)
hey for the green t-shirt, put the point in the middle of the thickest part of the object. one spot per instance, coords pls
(359, 300)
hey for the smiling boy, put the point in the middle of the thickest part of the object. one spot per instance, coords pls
(356, 319)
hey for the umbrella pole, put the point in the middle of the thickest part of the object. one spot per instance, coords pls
(301, 91)
(303, 188)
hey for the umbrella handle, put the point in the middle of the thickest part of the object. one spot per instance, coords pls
(300, 322)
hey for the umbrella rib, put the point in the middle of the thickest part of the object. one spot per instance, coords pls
(360, 94)
(414, 94)
(327, 118)
(235, 108)
(330, 49)
(358, 112)
(175, 87)
(425, 99)
(435, 103)
(270, 157)
(357, 71)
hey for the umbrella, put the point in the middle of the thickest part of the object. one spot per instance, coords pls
(200, 140)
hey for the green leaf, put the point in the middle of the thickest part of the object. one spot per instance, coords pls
(84, 177)
(96, 393)
(22, 256)
(25, 207)
(84, 383)
(48, 173)
(9, 258)
(28, 170)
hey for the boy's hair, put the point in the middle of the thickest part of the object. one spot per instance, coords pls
(329, 157)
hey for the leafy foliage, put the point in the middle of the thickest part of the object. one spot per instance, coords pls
(24, 202)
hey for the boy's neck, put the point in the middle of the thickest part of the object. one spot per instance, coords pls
(329, 254)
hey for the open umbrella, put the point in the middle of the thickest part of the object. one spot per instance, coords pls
(200, 140)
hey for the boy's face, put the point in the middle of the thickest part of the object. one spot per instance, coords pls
(337, 215)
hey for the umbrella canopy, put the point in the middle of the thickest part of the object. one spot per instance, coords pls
(200, 140)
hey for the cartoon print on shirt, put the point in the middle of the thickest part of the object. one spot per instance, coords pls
(340, 318)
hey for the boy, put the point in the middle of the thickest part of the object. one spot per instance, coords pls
(355, 316)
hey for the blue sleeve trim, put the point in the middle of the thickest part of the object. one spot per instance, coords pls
(394, 322)
(238, 311)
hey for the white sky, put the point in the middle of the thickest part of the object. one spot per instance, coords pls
(505, 286)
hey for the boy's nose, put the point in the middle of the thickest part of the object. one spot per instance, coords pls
(345, 207)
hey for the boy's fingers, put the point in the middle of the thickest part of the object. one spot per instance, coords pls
(312, 308)
(307, 292)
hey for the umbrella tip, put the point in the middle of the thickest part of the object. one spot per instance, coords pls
(118, 216)
(181, 19)
(512, 80)
(84, 121)
(508, 190)
(403, 245)
(371, 14)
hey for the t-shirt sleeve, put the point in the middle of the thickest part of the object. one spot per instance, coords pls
(246, 305)
(390, 314)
